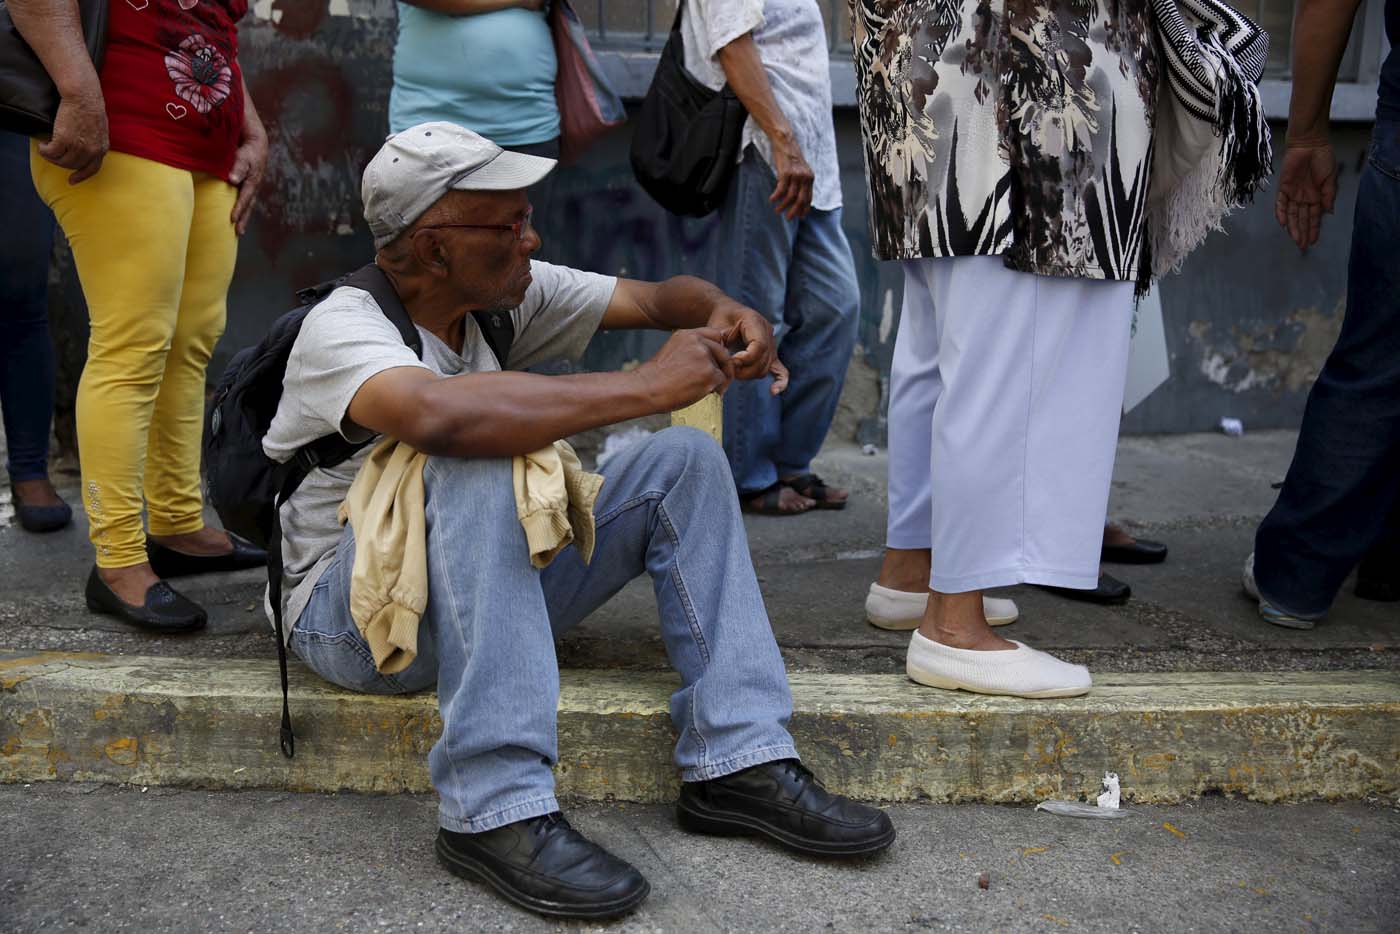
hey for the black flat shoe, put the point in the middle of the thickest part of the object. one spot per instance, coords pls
(167, 562)
(547, 866)
(1110, 592)
(784, 802)
(1378, 590)
(164, 610)
(1140, 551)
(41, 518)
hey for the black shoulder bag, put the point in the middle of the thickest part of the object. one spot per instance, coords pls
(685, 141)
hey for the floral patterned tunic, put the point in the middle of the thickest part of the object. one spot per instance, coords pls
(171, 81)
(1020, 128)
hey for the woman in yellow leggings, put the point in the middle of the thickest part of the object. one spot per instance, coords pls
(153, 226)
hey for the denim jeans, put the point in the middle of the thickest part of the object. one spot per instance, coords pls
(800, 275)
(487, 636)
(1345, 478)
(26, 353)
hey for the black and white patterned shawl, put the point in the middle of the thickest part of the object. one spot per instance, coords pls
(1212, 150)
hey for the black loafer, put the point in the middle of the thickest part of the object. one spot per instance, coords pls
(164, 609)
(41, 518)
(167, 562)
(784, 802)
(1110, 592)
(547, 866)
(1381, 591)
(1141, 551)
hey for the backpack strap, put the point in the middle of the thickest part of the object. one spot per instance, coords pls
(327, 451)
(499, 331)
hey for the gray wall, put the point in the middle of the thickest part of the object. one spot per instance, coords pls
(1249, 321)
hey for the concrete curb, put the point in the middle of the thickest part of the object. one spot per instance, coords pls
(75, 717)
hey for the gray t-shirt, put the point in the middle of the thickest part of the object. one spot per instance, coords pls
(791, 43)
(346, 340)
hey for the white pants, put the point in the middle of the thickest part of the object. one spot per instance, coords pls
(1005, 396)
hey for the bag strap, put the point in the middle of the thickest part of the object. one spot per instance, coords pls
(499, 331)
(329, 451)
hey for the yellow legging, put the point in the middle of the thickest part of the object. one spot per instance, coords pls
(155, 252)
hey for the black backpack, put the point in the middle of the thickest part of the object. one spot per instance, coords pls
(244, 485)
(685, 140)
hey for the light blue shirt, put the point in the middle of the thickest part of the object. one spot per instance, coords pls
(492, 73)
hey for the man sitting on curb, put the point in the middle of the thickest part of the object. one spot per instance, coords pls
(451, 223)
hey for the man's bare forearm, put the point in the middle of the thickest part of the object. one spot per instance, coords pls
(54, 30)
(1321, 29)
(743, 69)
(675, 304)
(509, 413)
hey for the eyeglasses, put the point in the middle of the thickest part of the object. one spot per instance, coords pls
(518, 228)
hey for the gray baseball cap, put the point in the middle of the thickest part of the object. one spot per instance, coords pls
(415, 168)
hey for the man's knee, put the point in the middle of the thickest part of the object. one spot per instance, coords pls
(680, 450)
(482, 485)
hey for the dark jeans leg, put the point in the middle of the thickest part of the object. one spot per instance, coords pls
(26, 353)
(1345, 475)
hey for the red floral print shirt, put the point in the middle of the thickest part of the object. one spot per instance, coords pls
(172, 84)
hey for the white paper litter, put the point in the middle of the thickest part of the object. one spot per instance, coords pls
(1106, 809)
(1231, 426)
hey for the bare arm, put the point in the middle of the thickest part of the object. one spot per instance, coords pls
(53, 29)
(509, 413)
(1307, 185)
(743, 69)
(471, 7)
(683, 302)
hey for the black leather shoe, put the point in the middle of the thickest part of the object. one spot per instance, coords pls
(1379, 590)
(1110, 592)
(783, 801)
(41, 518)
(1141, 551)
(547, 866)
(167, 562)
(164, 609)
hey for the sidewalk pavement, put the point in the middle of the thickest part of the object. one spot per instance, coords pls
(1201, 494)
(1194, 692)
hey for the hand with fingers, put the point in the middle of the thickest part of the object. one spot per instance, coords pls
(249, 163)
(689, 366)
(749, 337)
(79, 140)
(1307, 189)
(792, 196)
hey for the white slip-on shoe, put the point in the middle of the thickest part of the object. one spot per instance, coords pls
(898, 609)
(1019, 672)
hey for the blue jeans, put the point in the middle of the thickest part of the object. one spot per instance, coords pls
(26, 353)
(487, 636)
(1345, 478)
(800, 275)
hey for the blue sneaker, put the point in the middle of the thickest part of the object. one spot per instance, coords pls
(1267, 611)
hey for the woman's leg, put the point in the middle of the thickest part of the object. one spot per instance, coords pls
(128, 226)
(915, 385)
(26, 353)
(1024, 434)
(174, 504)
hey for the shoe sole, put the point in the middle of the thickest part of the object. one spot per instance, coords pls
(948, 684)
(728, 824)
(1287, 622)
(188, 627)
(475, 872)
(908, 624)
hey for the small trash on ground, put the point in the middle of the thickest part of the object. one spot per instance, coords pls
(1106, 809)
(1231, 426)
(984, 881)
(615, 444)
(869, 450)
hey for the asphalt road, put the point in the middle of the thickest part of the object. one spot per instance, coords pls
(101, 858)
